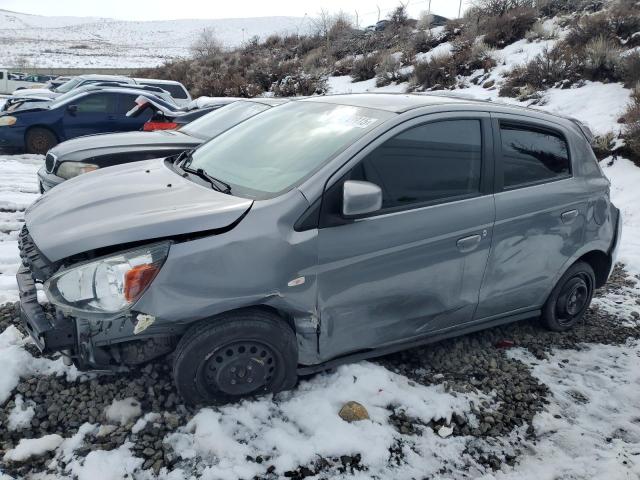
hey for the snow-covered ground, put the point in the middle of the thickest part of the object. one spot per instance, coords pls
(86, 42)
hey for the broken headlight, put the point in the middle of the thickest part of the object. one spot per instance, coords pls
(108, 285)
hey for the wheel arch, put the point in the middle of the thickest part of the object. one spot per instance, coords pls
(45, 127)
(600, 262)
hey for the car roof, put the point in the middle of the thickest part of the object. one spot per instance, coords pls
(390, 102)
(403, 102)
(157, 80)
(95, 76)
(267, 100)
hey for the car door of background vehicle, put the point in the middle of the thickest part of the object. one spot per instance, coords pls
(123, 123)
(416, 266)
(94, 114)
(540, 215)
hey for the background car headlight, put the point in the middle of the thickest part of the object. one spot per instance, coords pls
(73, 169)
(7, 121)
(109, 285)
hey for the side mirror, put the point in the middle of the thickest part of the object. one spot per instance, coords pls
(72, 109)
(359, 198)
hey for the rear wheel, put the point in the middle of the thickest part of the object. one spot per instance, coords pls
(40, 140)
(570, 298)
(234, 356)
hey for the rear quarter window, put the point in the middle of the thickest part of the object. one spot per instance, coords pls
(532, 155)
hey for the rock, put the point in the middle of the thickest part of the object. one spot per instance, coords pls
(444, 431)
(353, 412)
(489, 84)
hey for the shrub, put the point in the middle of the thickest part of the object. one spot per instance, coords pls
(388, 71)
(300, 84)
(505, 29)
(498, 8)
(206, 44)
(552, 8)
(552, 66)
(631, 132)
(588, 28)
(630, 68)
(541, 31)
(624, 18)
(364, 67)
(434, 74)
(602, 59)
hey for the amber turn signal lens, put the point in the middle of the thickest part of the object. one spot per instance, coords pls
(137, 279)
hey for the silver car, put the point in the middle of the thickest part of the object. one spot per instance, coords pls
(324, 231)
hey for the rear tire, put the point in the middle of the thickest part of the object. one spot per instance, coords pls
(236, 355)
(39, 140)
(570, 298)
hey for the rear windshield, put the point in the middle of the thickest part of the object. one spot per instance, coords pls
(272, 152)
(214, 123)
(174, 89)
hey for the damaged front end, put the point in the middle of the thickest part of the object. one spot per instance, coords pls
(92, 321)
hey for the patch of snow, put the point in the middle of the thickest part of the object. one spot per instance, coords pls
(302, 424)
(585, 431)
(21, 415)
(17, 362)
(71, 444)
(123, 411)
(142, 422)
(106, 464)
(440, 50)
(32, 447)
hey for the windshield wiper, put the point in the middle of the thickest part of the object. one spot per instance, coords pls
(216, 183)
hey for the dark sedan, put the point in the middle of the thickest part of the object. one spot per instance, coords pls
(85, 154)
(38, 126)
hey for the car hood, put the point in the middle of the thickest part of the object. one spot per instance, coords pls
(27, 105)
(35, 92)
(130, 140)
(142, 201)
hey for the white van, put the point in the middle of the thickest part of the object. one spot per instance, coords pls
(11, 81)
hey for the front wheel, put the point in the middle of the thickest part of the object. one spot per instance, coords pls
(236, 355)
(570, 298)
(40, 140)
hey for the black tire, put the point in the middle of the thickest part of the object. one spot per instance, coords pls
(39, 140)
(235, 355)
(570, 298)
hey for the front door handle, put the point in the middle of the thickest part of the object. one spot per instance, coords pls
(467, 244)
(569, 216)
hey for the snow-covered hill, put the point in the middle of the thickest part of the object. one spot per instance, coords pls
(60, 42)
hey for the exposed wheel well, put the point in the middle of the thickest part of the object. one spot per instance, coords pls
(601, 264)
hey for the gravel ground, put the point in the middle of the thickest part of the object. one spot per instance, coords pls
(476, 362)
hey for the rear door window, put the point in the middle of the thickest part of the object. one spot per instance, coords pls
(531, 155)
(125, 103)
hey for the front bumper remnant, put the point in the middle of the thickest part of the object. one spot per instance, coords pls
(50, 333)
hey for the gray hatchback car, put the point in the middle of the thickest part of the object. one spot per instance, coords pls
(324, 231)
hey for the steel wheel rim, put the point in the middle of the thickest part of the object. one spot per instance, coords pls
(573, 299)
(239, 368)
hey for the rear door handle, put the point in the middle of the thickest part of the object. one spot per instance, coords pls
(111, 117)
(467, 244)
(569, 216)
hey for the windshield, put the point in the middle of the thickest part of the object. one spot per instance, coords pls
(70, 85)
(214, 123)
(270, 153)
